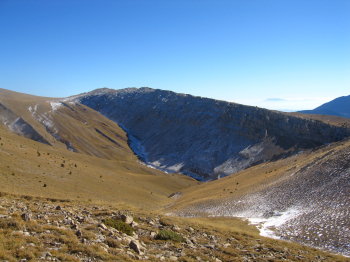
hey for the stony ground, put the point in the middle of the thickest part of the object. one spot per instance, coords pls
(33, 229)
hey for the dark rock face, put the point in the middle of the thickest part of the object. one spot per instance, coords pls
(201, 137)
(337, 107)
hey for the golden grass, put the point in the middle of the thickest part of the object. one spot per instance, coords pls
(81, 177)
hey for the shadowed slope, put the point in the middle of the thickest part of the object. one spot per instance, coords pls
(202, 137)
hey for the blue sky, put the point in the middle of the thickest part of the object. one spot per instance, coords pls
(288, 55)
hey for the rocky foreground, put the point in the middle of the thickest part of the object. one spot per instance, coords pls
(33, 229)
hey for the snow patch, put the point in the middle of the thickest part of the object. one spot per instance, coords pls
(267, 226)
(138, 148)
(33, 109)
(55, 105)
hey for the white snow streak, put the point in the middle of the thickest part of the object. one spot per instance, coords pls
(266, 226)
(55, 105)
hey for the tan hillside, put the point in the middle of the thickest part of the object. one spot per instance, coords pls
(104, 168)
(32, 168)
(69, 125)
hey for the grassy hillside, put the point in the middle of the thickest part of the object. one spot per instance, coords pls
(32, 168)
(70, 125)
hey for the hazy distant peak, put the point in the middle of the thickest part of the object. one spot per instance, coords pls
(338, 107)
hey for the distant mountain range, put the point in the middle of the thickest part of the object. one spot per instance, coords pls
(337, 107)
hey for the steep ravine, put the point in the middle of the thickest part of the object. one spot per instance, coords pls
(206, 138)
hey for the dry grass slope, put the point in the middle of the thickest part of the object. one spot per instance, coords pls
(32, 168)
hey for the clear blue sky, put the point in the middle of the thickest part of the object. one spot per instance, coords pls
(283, 54)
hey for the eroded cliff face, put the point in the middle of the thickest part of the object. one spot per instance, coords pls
(205, 138)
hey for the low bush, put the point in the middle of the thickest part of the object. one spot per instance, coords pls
(169, 235)
(119, 225)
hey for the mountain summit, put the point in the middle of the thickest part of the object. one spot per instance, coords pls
(201, 137)
(337, 107)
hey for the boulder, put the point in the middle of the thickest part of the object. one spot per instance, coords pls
(26, 216)
(136, 246)
(127, 219)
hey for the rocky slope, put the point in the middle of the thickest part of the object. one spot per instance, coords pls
(337, 107)
(307, 202)
(202, 137)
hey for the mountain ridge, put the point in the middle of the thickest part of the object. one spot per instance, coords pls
(181, 122)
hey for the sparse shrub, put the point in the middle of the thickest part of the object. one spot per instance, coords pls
(9, 223)
(119, 225)
(112, 242)
(165, 222)
(169, 235)
(27, 197)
